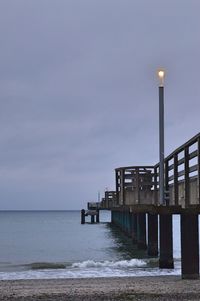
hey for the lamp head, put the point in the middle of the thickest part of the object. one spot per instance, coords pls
(161, 75)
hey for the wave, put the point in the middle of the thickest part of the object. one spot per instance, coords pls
(87, 264)
(65, 274)
(92, 265)
(46, 266)
(89, 269)
(114, 264)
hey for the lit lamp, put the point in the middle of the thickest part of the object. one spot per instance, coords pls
(161, 74)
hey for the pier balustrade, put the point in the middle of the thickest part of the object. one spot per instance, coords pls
(139, 185)
(182, 175)
(135, 185)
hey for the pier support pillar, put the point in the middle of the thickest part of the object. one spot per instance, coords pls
(141, 231)
(92, 219)
(112, 217)
(83, 216)
(134, 227)
(152, 235)
(166, 260)
(97, 216)
(128, 223)
(124, 221)
(189, 246)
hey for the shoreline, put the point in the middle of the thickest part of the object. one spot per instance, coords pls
(116, 288)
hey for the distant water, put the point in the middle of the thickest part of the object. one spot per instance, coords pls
(53, 244)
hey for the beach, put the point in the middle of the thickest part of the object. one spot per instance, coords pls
(118, 288)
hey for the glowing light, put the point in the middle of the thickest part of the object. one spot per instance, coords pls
(161, 75)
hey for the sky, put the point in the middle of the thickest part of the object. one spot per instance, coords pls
(79, 93)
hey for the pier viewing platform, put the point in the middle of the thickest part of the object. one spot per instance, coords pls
(136, 209)
(92, 211)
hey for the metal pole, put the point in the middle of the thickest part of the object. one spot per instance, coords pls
(161, 143)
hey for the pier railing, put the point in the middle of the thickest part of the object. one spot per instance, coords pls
(110, 200)
(182, 174)
(135, 185)
(139, 185)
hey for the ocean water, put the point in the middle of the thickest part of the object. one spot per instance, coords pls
(53, 244)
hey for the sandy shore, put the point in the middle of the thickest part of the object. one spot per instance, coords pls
(136, 288)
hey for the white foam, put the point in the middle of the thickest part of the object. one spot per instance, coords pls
(115, 264)
(86, 273)
(93, 269)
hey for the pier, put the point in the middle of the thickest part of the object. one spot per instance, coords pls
(135, 206)
(93, 209)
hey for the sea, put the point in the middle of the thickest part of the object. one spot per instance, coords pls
(54, 244)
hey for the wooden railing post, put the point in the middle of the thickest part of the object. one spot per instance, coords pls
(176, 179)
(187, 176)
(155, 186)
(166, 186)
(117, 185)
(198, 170)
(122, 186)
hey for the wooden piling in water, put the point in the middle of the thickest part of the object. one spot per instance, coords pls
(134, 228)
(141, 231)
(152, 248)
(97, 216)
(166, 260)
(130, 224)
(92, 219)
(83, 216)
(189, 246)
(112, 217)
(127, 225)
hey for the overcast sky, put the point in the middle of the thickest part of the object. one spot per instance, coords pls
(79, 93)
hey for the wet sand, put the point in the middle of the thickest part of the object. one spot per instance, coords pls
(126, 288)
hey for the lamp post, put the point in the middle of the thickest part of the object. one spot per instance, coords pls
(161, 74)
